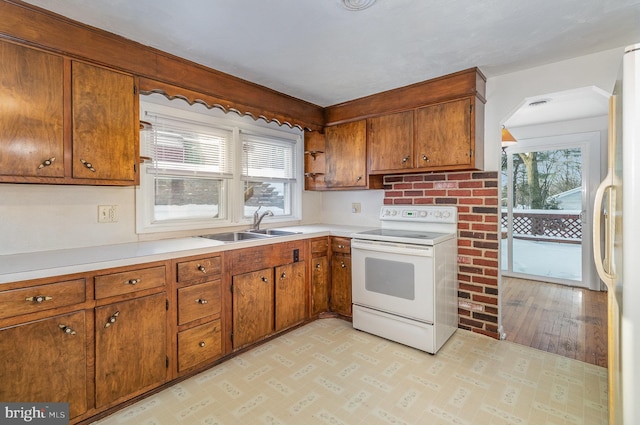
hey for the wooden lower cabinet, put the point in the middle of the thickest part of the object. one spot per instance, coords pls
(45, 361)
(340, 300)
(131, 347)
(253, 308)
(341, 284)
(199, 344)
(290, 293)
(320, 275)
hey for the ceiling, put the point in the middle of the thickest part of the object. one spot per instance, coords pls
(318, 51)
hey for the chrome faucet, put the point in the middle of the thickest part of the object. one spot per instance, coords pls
(258, 218)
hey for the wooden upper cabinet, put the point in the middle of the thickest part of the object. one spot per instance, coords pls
(346, 153)
(105, 134)
(390, 139)
(31, 113)
(443, 135)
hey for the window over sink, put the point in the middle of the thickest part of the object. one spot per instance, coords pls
(206, 169)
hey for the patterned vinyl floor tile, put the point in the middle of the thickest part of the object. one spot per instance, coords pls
(327, 373)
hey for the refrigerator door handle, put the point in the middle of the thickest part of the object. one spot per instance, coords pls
(604, 265)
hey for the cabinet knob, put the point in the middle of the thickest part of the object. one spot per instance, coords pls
(405, 159)
(46, 162)
(88, 165)
(201, 301)
(283, 275)
(112, 319)
(343, 265)
(359, 178)
(38, 299)
(202, 268)
(66, 329)
(133, 281)
(425, 158)
(202, 344)
(318, 266)
(264, 279)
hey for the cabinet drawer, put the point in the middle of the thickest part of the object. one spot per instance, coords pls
(319, 247)
(341, 245)
(130, 281)
(197, 301)
(43, 297)
(199, 269)
(199, 344)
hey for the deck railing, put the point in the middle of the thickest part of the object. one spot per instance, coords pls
(545, 225)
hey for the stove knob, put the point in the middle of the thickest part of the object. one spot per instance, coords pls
(438, 214)
(394, 212)
(446, 214)
(423, 213)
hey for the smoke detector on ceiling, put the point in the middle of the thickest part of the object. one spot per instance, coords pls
(355, 5)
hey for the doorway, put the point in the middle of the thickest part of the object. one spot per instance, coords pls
(548, 186)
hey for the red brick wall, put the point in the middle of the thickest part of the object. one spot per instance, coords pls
(476, 196)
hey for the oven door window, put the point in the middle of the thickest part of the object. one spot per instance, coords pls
(393, 278)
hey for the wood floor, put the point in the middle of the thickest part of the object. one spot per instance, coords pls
(568, 321)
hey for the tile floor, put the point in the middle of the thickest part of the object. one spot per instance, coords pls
(328, 373)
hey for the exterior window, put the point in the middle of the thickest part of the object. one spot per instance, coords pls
(204, 171)
(268, 174)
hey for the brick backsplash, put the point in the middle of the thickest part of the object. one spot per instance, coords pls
(476, 196)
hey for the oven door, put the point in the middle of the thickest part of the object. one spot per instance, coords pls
(393, 277)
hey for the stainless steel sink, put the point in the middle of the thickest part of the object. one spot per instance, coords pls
(273, 232)
(248, 235)
(234, 236)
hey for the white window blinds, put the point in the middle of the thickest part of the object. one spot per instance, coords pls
(183, 147)
(265, 158)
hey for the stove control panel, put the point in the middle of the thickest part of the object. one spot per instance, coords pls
(420, 213)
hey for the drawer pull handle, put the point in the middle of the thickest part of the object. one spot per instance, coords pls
(112, 319)
(202, 268)
(201, 301)
(47, 162)
(202, 344)
(341, 246)
(66, 329)
(133, 281)
(343, 265)
(39, 299)
(88, 165)
(264, 279)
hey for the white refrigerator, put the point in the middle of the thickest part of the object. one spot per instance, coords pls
(617, 219)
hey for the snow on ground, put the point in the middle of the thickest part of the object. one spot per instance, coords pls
(559, 260)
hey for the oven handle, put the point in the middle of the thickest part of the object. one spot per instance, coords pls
(392, 248)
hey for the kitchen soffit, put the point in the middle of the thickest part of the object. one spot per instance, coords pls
(317, 51)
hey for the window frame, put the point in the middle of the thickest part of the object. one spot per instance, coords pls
(232, 191)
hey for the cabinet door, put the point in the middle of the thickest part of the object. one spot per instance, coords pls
(341, 284)
(345, 153)
(105, 134)
(131, 347)
(31, 116)
(253, 298)
(390, 139)
(290, 286)
(319, 285)
(45, 361)
(443, 134)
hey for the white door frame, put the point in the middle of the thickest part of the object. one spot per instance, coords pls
(589, 142)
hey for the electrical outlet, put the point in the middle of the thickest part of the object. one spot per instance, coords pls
(356, 208)
(107, 213)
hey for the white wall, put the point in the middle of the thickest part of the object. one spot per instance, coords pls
(40, 217)
(506, 92)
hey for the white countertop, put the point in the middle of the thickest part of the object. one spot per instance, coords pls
(35, 265)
